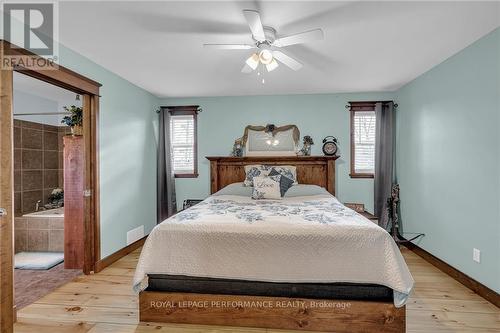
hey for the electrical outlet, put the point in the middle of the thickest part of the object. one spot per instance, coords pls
(476, 255)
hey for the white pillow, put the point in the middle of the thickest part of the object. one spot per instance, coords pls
(266, 187)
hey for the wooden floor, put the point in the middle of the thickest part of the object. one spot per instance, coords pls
(105, 303)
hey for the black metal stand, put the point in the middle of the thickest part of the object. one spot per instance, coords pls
(398, 238)
(392, 207)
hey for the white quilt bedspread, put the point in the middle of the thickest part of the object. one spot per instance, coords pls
(299, 239)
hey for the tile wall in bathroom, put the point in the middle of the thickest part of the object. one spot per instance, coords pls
(38, 166)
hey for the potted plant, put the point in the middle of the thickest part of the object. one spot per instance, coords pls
(74, 120)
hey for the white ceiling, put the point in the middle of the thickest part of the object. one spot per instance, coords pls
(368, 46)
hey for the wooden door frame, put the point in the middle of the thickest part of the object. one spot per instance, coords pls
(89, 89)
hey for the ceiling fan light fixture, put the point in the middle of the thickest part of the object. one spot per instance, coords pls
(266, 56)
(253, 61)
(267, 45)
(272, 65)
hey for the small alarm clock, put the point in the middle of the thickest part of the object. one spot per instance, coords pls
(330, 146)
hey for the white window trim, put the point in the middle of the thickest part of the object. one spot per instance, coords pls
(191, 114)
(360, 173)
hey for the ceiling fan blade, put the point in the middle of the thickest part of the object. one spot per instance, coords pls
(303, 37)
(246, 69)
(228, 46)
(287, 60)
(255, 24)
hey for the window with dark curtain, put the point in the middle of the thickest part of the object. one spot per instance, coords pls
(183, 138)
(362, 139)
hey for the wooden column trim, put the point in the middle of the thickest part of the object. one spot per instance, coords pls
(88, 229)
(6, 202)
(75, 224)
(95, 177)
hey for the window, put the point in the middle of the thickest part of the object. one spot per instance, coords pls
(362, 140)
(183, 140)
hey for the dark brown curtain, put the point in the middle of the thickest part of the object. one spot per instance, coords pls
(384, 159)
(167, 204)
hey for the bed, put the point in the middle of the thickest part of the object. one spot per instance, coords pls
(303, 262)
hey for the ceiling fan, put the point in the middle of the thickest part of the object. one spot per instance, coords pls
(267, 45)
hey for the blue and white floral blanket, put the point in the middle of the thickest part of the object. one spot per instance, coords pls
(299, 239)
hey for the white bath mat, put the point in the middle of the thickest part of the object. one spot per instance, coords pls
(37, 260)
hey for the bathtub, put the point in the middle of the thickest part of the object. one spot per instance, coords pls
(56, 212)
(40, 231)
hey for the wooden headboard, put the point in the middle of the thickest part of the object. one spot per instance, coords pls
(314, 170)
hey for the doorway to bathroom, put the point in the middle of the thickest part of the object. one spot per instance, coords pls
(88, 195)
(48, 228)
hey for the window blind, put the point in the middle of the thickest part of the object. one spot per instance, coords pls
(182, 141)
(364, 142)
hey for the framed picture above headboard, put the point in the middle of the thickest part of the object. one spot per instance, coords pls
(270, 140)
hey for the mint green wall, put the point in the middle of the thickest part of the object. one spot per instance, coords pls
(448, 159)
(224, 118)
(127, 153)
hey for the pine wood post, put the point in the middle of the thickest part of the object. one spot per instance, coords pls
(74, 202)
(6, 200)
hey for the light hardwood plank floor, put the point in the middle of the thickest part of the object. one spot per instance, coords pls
(105, 303)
